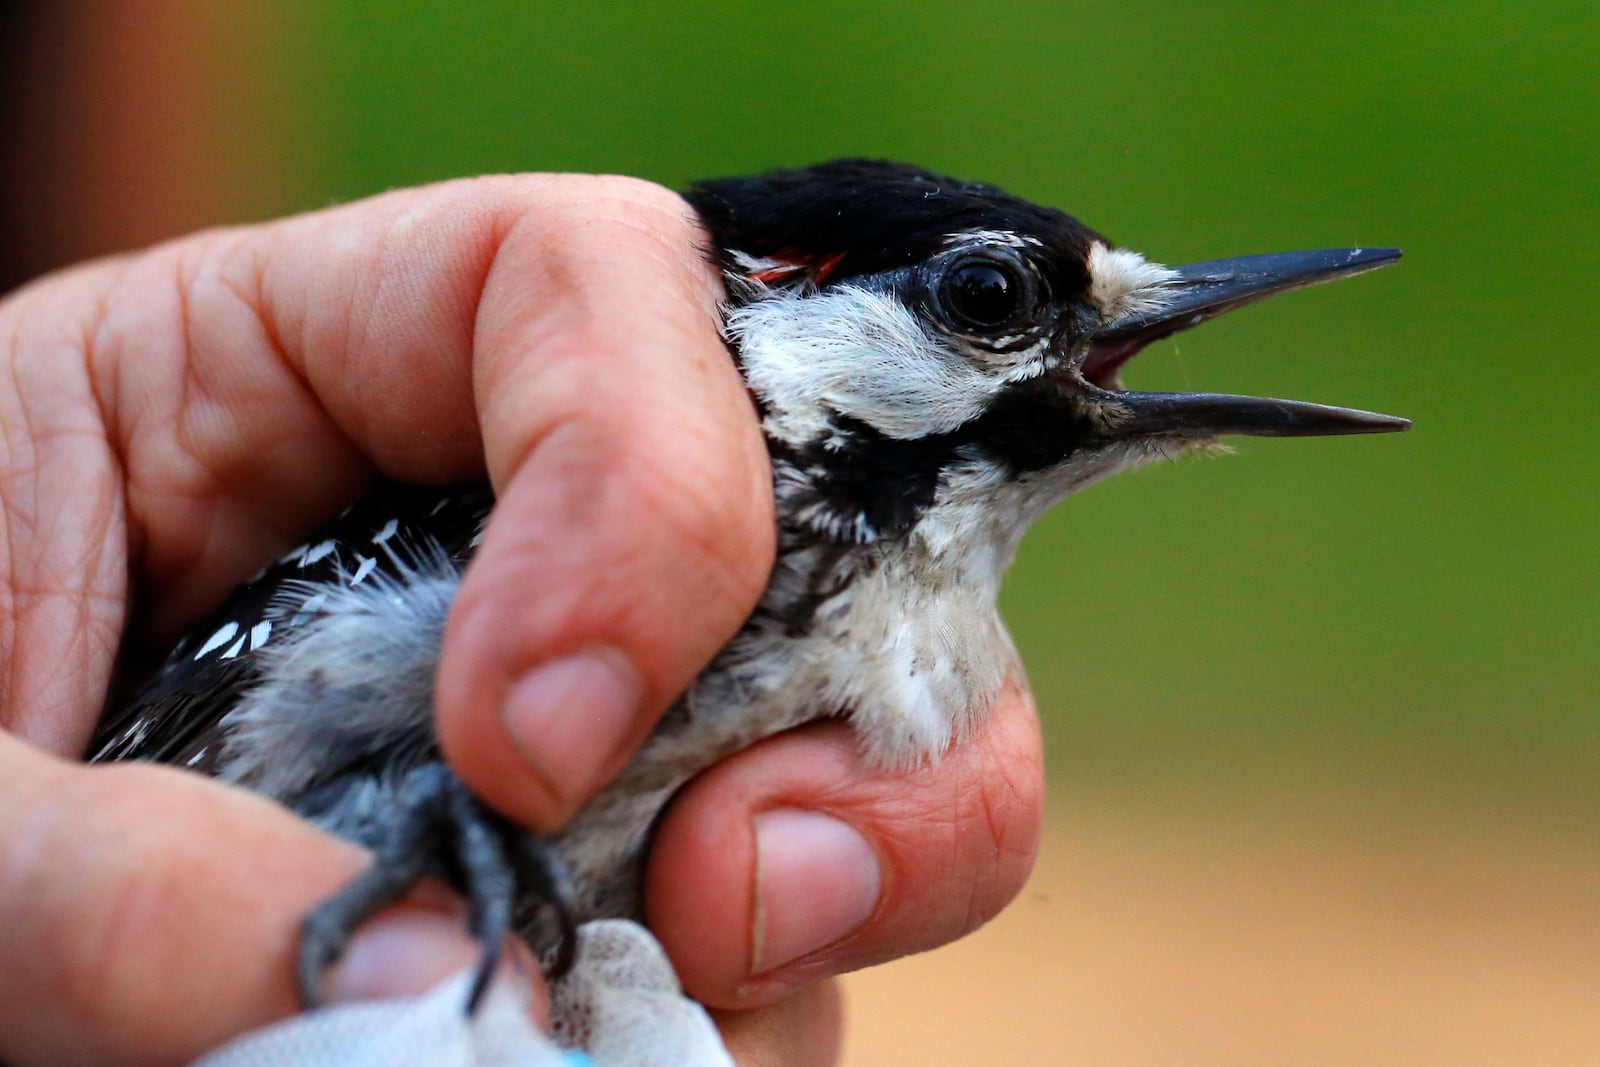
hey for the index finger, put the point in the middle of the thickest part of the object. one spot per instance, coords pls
(634, 529)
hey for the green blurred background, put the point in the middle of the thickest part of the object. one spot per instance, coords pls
(1387, 649)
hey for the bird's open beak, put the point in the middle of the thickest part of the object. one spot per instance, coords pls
(1202, 291)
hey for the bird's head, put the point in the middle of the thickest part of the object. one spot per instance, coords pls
(909, 338)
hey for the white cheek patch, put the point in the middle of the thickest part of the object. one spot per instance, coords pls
(1125, 283)
(862, 354)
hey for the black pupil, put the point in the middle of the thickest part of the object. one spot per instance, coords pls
(981, 294)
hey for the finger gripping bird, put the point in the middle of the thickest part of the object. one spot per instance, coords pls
(934, 364)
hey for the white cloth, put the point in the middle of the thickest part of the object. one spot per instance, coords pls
(621, 1005)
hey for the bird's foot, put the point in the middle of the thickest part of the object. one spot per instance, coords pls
(437, 825)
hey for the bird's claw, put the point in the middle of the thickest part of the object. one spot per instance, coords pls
(437, 826)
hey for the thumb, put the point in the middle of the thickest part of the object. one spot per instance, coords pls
(148, 915)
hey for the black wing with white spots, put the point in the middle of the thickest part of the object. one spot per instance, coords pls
(175, 717)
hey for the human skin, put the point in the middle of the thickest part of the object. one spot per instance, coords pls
(172, 419)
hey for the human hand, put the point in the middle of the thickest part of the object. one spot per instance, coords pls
(174, 418)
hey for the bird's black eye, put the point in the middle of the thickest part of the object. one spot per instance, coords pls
(983, 295)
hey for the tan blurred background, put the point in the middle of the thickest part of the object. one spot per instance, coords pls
(1322, 716)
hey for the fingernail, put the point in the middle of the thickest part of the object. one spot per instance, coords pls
(570, 718)
(402, 954)
(817, 881)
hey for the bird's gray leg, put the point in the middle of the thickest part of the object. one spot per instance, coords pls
(437, 825)
(402, 852)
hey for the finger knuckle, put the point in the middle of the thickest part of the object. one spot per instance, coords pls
(710, 530)
(575, 214)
